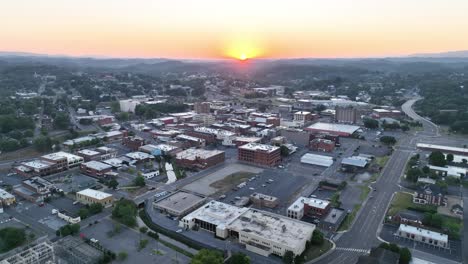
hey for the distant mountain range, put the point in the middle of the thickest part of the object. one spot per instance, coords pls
(448, 54)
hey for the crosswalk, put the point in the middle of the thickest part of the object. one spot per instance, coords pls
(365, 251)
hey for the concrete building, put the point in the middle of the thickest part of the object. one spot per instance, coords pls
(332, 221)
(336, 129)
(128, 105)
(35, 189)
(297, 137)
(318, 160)
(95, 168)
(190, 142)
(202, 107)
(179, 203)
(261, 232)
(385, 113)
(260, 154)
(308, 206)
(423, 236)
(41, 253)
(346, 114)
(90, 196)
(199, 158)
(6, 198)
(204, 119)
(263, 200)
(160, 149)
(240, 141)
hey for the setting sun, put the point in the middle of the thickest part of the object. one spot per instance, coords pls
(243, 56)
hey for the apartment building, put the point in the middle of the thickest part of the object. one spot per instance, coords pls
(259, 154)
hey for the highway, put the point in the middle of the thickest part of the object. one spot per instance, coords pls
(363, 234)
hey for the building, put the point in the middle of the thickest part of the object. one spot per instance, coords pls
(385, 113)
(409, 217)
(429, 194)
(267, 233)
(336, 129)
(202, 107)
(444, 149)
(69, 218)
(179, 204)
(261, 232)
(160, 149)
(107, 153)
(212, 135)
(199, 158)
(297, 137)
(204, 119)
(138, 157)
(346, 114)
(6, 198)
(95, 168)
(128, 105)
(302, 116)
(48, 164)
(133, 143)
(263, 200)
(318, 160)
(260, 154)
(450, 171)
(35, 189)
(308, 206)
(190, 142)
(240, 141)
(90, 196)
(332, 221)
(41, 253)
(423, 236)
(88, 154)
(353, 163)
(321, 144)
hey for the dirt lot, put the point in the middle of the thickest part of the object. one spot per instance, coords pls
(215, 182)
(231, 181)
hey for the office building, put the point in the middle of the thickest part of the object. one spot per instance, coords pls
(179, 204)
(308, 206)
(423, 236)
(260, 154)
(90, 196)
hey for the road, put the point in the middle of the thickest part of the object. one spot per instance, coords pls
(363, 234)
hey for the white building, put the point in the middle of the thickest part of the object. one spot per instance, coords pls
(90, 196)
(450, 171)
(72, 160)
(304, 205)
(319, 160)
(423, 235)
(128, 105)
(261, 232)
(302, 116)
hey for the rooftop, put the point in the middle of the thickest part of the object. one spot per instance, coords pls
(97, 165)
(88, 152)
(298, 205)
(38, 164)
(263, 196)
(5, 195)
(217, 213)
(61, 154)
(272, 227)
(334, 127)
(355, 161)
(137, 155)
(259, 147)
(443, 148)
(193, 154)
(179, 201)
(315, 159)
(94, 194)
(423, 232)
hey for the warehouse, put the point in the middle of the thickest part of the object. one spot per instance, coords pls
(179, 203)
(444, 149)
(337, 129)
(319, 160)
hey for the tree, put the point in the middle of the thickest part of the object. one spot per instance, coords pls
(413, 174)
(42, 144)
(288, 257)
(142, 244)
(61, 121)
(239, 258)
(125, 211)
(72, 229)
(405, 256)
(122, 256)
(11, 237)
(450, 157)
(115, 107)
(113, 184)
(371, 123)
(206, 256)
(95, 208)
(143, 229)
(139, 181)
(426, 169)
(388, 140)
(83, 213)
(284, 151)
(317, 238)
(437, 158)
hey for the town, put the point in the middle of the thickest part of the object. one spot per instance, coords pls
(102, 167)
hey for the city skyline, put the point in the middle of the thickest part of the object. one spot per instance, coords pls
(214, 30)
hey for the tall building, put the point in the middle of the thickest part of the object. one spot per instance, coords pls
(346, 114)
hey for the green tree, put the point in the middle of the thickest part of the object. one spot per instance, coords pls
(437, 158)
(239, 258)
(288, 257)
(405, 256)
(125, 211)
(113, 184)
(83, 213)
(142, 244)
(139, 181)
(95, 208)
(143, 229)
(284, 151)
(450, 157)
(11, 237)
(317, 238)
(413, 174)
(206, 256)
(115, 107)
(42, 143)
(122, 256)
(388, 140)
(370, 123)
(61, 121)
(426, 169)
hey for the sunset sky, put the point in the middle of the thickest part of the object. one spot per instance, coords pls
(224, 28)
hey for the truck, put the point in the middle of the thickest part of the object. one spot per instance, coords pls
(54, 211)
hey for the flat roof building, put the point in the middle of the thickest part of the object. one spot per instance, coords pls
(263, 200)
(90, 196)
(6, 198)
(445, 149)
(308, 206)
(199, 158)
(423, 235)
(338, 129)
(95, 168)
(179, 203)
(319, 160)
(260, 154)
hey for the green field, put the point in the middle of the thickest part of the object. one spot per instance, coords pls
(402, 201)
(316, 251)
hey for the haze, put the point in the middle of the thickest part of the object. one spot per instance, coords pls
(218, 29)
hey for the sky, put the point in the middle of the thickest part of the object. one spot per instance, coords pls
(206, 29)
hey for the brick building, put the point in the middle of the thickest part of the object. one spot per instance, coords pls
(260, 154)
(308, 206)
(263, 200)
(321, 144)
(133, 143)
(199, 158)
(95, 168)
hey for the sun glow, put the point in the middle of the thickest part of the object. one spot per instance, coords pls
(243, 49)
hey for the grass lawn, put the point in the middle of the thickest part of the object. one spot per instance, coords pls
(402, 201)
(316, 251)
(364, 192)
(381, 161)
(349, 218)
(453, 225)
